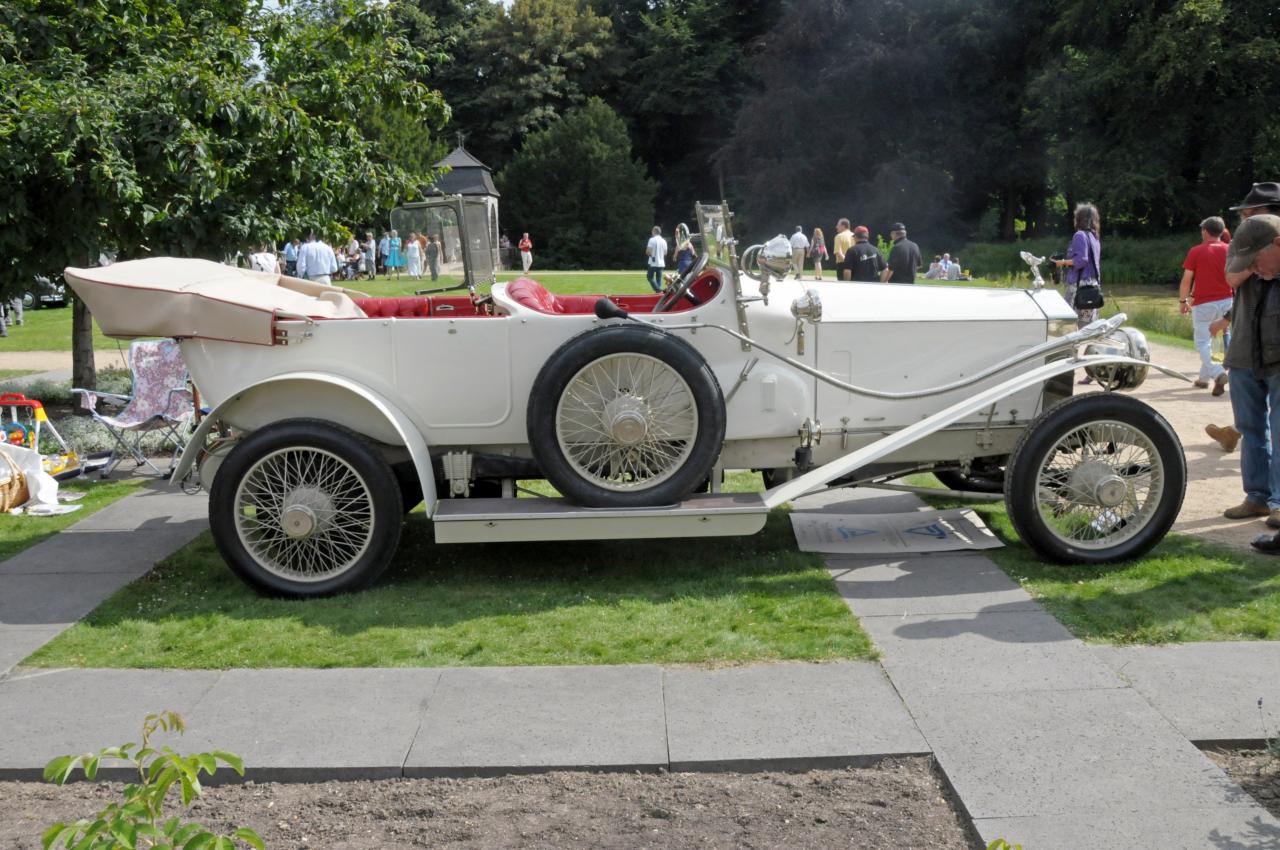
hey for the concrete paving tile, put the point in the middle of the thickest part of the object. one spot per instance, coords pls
(154, 506)
(1108, 829)
(492, 720)
(785, 716)
(48, 713)
(17, 642)
(1056, 753)
(299, 725)
(51, 599)
(993, 652)
(77, 552)
(1209, 691)
(944, 583)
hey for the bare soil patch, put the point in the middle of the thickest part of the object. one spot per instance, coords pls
(1256, 771)
(898, 803)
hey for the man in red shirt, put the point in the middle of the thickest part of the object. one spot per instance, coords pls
(1204, 294)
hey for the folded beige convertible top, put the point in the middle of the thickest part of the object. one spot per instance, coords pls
(168, 296)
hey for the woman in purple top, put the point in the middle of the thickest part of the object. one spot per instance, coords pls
(1084, 260)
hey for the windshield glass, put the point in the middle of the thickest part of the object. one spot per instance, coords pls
(464, 230)
(717, 236)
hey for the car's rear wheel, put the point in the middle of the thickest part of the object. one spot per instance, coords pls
(305, 508)
(626, 416)
(1098, 478)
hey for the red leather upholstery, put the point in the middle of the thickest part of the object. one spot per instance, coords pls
(395, 308)
(531, 294)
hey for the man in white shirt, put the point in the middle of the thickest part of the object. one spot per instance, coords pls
(799, 247)
(656, 258)
(316, 261)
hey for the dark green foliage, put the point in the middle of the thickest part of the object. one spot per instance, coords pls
(579, 193)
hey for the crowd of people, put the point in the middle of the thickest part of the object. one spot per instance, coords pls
(416, 256)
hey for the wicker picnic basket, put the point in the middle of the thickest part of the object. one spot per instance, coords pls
(13, 484)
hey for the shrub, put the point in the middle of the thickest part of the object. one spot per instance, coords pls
(1125, 260)
(138, 822)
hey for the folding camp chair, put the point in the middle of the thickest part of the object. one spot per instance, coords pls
(161, 401)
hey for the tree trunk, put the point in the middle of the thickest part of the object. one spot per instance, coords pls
(83, 373)
(1008, 214)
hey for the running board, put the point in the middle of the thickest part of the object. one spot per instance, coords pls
(509, 520)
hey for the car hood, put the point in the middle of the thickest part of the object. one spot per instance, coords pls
(878, 302)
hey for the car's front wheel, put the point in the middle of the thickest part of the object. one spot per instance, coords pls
(305, 508)
(1098, 478)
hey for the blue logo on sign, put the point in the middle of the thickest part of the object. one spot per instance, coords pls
(850, 533)
(934, 530)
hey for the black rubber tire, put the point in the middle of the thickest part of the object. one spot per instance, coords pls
(1021, 493)
(977, 481)
(352, 448)
(625, 338)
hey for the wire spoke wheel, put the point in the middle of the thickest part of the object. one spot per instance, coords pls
(304, 514)
(1096, 479)
(626, 421)
(305, 508)
(1100, 484)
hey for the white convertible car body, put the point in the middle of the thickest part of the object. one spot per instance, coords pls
(629, 404)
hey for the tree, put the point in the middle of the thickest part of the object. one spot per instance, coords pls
(684, 67)
(576, 188)
(192, 127)
(529, 64)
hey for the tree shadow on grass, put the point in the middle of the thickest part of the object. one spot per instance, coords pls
(711, 596)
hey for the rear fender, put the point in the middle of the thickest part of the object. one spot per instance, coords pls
(317, 395)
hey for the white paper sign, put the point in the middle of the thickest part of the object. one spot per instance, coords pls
(891, 534)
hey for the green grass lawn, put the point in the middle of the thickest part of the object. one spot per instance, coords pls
(5, 374)
(1184, 590)
(49, 329)
(712, 600)
(20, 532)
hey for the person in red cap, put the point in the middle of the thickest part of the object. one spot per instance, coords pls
(862, 262)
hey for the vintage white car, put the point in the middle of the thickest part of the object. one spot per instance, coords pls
(334, 414)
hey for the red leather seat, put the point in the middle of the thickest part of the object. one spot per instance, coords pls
(395, 308)
(531, 294)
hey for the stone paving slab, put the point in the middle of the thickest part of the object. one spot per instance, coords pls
(292, 725)
(785, 717)
(45, 714)
(986, 653)
(153, 507)
(76, 552)
(51, 599)
(943, 583)
(1195, 829)
(17, 642)
(1057, 753)
(1209, 691)
(497, 720)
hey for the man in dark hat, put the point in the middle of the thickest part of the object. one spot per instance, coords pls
(1253, 361)
(904, 257)
(1262, 198)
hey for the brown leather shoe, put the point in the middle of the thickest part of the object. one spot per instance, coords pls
(1248, 510)
(1225, 435)
(1219, 384)
(1199, 384)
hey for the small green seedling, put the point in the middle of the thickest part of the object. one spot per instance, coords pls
(138, 822)
(1001, 844)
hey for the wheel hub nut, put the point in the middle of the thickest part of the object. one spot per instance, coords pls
(1110, 491)
(629, 428)
(298, 521)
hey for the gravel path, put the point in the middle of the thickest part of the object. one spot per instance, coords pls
(1213, 477)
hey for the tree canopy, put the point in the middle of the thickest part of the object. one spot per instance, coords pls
(577, 186)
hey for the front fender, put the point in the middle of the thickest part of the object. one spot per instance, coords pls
(319, 396)
(818, 478)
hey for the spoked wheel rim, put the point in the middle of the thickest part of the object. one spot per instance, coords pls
(626, 422)
(1100, 484)
(304, 514)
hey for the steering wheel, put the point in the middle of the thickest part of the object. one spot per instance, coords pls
(680, 289)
